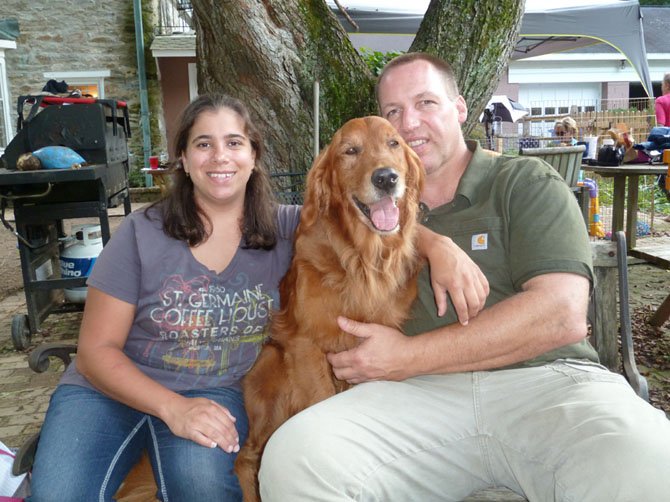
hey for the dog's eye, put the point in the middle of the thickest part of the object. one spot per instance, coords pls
(393, 143)
(352, 150)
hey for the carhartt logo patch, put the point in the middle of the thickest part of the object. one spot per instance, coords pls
(480, 241)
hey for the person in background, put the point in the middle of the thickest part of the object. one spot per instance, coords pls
(565, 131)
(516, 397)
(662, 106)
(177, 310)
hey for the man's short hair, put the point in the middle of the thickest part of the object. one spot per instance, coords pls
(439, 64)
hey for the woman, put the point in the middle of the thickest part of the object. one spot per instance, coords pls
(177, 309)
(565, 131)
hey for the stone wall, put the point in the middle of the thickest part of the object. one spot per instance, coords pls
(82, 35)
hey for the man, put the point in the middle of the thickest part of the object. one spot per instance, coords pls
(514, 398)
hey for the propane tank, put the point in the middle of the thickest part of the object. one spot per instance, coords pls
(78, 257)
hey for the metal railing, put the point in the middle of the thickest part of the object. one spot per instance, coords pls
(175, 17)
(289, 187)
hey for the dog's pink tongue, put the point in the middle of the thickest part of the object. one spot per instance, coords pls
(384, 214)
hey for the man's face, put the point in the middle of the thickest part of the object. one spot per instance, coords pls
(414, 98)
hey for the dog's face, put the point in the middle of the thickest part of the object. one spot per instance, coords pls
(369, 171)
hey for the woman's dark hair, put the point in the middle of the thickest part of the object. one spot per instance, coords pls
(183, 218)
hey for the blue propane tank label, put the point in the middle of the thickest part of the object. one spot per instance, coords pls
(76, 267)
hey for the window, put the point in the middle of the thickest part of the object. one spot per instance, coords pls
(88, 82)
(550, 110)
(6, 132)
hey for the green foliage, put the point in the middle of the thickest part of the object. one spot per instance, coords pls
(648, 192)
(136, 178)
(376, 60)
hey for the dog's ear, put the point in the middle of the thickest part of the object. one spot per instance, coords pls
(415, 174)
(317, 194)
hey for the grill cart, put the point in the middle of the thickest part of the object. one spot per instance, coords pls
(97, 129)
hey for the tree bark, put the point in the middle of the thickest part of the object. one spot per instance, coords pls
(477, 38)
(269, 53)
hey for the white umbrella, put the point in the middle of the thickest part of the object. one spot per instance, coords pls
(503, 109)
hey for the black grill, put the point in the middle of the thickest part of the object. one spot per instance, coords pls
(97, 129)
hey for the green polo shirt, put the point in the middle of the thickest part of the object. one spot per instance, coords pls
(516, 218)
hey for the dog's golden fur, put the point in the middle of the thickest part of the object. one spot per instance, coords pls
(354, 256)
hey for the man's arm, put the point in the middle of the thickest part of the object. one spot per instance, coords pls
(548, 313)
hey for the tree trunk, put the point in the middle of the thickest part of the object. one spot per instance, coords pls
(477, 38)
(269, 54)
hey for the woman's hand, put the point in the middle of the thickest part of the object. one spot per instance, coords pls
(100, 358)
(453, 271)
(203, 421)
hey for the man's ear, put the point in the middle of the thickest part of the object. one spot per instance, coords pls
(462, 108)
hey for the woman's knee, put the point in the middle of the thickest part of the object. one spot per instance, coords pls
(185, 470)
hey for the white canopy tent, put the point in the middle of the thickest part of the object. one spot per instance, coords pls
(578, 23)
(548, 26)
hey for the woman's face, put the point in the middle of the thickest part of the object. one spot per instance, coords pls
(219, 157)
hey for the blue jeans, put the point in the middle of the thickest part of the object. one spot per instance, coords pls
(89, 443)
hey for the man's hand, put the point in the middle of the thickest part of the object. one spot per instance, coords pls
(382, 354)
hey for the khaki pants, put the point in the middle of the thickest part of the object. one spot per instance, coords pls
(565, 431)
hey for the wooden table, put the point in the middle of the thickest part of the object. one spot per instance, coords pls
(620, 173)
(659, 255)
(656, 251)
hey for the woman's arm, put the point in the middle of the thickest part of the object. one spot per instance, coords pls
(453, 271)
(100, 358)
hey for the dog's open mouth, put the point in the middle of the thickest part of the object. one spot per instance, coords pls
(383, 214)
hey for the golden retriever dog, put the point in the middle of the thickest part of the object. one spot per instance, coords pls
(354, 256)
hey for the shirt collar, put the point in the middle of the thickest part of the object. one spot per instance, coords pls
(470, 185)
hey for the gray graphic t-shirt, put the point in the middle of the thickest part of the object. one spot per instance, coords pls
(193, 328)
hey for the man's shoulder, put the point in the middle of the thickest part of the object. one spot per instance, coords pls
(522, 167)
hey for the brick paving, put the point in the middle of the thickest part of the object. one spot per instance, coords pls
(24, 394)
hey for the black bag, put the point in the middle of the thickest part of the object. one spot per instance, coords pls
(610, 155)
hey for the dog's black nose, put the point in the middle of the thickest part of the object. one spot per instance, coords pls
(384, 178)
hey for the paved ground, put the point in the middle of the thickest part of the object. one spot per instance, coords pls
(24, 395)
